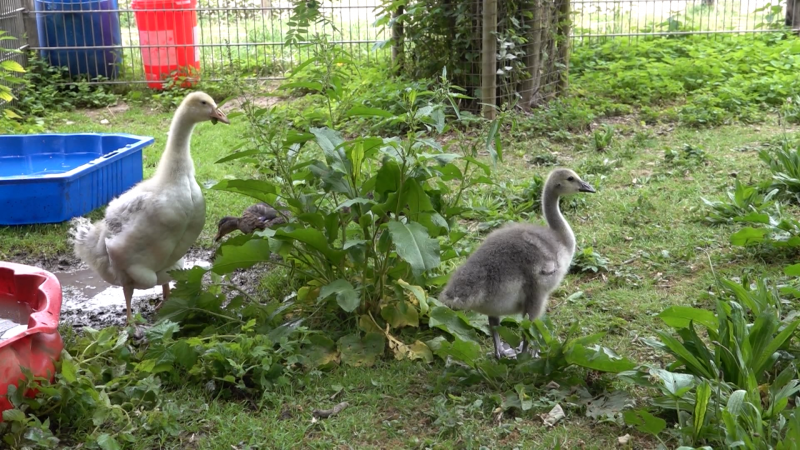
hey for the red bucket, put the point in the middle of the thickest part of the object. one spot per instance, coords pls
(171, 25)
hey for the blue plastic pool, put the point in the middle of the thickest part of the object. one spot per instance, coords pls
(51, 178)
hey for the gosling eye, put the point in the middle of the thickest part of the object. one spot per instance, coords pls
(571, 179)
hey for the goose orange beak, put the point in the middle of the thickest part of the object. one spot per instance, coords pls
(218, 115)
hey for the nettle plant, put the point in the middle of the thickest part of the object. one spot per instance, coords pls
(370, 219)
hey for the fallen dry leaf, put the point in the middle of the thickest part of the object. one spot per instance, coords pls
(624, 439)
(553, 416)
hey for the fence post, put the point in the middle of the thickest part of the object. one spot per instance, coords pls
(533, 57)
(489, 59)
(29, 20)
(793, 15)
(562, 34)
(398, 41)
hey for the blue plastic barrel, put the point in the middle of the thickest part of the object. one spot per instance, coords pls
(80, 23)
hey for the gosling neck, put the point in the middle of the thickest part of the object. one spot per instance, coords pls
(555, 220)
(176, 161)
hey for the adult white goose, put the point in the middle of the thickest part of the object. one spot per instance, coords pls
(148, 229)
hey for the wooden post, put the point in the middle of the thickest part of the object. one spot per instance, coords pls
(489, 59)
(533, 56)
(563, 35)
(29, 19)
(398, 41)
(793, 15)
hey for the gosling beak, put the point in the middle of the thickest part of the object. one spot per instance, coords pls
(218, 115)
(586, 187)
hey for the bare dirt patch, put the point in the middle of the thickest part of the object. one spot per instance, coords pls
(109, 112)
(259, 101)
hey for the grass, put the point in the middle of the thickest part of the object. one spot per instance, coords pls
(643, 219)
(46, 241)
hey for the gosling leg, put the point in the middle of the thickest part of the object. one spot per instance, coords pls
(534, 309)
(498, 344)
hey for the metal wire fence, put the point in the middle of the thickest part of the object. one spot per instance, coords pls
(140, 41)
(143, 40)
(628, 18)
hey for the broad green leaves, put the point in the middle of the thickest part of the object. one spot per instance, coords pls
(644, 421)
(357, 351)
(346, 296)
(414, 245)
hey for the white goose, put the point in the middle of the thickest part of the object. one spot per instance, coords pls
(148, 229)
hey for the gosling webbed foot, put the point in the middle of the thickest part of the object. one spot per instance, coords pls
(524, 347)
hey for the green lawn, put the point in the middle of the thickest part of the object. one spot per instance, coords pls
(643, 219)
(209, 143)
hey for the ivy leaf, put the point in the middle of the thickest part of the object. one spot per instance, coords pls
(415, 246)
(346, 296)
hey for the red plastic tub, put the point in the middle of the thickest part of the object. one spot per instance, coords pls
(30, 307)
(171, 25)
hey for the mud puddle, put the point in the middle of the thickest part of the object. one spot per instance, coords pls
(87, 300)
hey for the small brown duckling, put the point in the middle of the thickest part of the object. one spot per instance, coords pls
(257, 217)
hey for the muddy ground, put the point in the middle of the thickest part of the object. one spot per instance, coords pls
(87, 300)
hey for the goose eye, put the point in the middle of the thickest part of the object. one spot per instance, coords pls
(571, 179)
(204, 102)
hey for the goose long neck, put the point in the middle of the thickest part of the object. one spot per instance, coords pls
(555, 220)
(177, 161)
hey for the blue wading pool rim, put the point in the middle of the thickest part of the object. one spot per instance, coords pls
(121, 167)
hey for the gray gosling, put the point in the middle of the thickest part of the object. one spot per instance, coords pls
(519, 265)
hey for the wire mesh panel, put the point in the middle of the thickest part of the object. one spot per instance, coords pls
(179, 41)
(595, 19)
(182, 40)
(12, 38)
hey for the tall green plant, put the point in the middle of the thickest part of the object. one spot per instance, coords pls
(368, 217)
